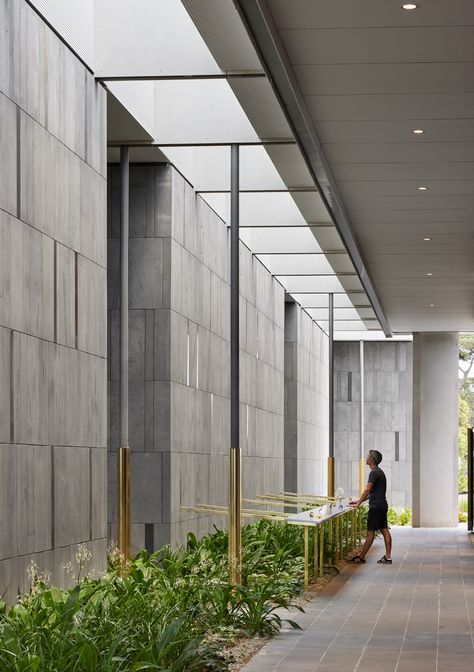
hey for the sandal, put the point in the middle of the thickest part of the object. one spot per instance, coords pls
(383, 561)
(356, 559)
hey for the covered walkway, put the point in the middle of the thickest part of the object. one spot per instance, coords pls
(414, 616)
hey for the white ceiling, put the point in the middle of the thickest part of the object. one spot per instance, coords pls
(370, 73)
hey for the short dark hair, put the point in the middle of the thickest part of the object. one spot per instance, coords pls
(376, 456)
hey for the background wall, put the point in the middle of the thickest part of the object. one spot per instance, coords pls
(52, 308)
(179, 339)
(388, 414)
(306, 403)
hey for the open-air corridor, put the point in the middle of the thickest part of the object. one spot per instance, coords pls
(414, 616)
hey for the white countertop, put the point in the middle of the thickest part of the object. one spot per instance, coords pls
(320, 514)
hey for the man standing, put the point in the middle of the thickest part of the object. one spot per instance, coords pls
(375, 490)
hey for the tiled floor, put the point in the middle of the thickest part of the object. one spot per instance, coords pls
(416, 615)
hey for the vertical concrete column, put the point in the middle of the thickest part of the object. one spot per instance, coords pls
(435, 427)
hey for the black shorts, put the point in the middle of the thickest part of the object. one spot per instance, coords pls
(377, 519)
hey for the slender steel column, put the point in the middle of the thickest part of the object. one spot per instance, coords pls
(235, 495)
(331, 461)
(362, 420)
(124, 449)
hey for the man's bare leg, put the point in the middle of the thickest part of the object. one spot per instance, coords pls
(387, 537)
(369, 540)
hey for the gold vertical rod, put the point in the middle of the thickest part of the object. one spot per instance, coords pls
(331, 476)
(341, 537)
(331, 535)
(315, 552)
(124, 502)
(321, 549)
(235, 518)
(361, 475)
(336, 526)
(353, 529)
(306, 557)
(346, 521)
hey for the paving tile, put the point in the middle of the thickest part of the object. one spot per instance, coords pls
(415, 617)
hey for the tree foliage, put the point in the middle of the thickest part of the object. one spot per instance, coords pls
(466, 404)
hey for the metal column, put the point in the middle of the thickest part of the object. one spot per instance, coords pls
(235, 496)
(331, 461)
(362, 420)
(124, 449)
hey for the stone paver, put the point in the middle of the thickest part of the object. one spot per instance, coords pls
(416, 615)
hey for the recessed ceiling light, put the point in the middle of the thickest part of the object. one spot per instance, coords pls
(422, 188)
(427, 239)
(429, 274)
(418, 131)
(432, 305)
(410, 5)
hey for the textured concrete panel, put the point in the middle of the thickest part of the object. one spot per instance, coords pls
(91, 307)
(387, 414)
(27, 279)
(8, 155)
(65, 299)
(72, 496)
(5, 387)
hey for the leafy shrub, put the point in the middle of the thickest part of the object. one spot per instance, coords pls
(396, 516)
(173, 611)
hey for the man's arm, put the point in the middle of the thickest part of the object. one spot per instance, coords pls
(363, 496)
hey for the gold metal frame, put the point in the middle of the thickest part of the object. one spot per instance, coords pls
(235, 517)
(123, 522)
(331, 476)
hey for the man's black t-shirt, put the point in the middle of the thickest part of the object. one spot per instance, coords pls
(377, 498)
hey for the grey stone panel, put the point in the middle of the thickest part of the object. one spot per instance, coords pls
(8, 157)
(98, 467)
(146, 470)
(74, 409)
(145, 273)
(91, 307)
(162, 416)
(65, 300)
(5, 387)
(72, 496)
(27, 279)
(26, 499)
(388, 398)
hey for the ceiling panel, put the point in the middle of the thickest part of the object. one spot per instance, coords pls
(428, 44)
(391, 107)
(403, 152)
(370, 73)
(442, 130)
(384, 78)
(367, 13)
(381, 188)
(404, 171)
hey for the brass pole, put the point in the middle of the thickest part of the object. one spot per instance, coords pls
(331, 476)
(306, 557)
(235, 517)
(321, 549)
(315, 552)
(336, 521)
(331, 549)
(347, 533)
(361, 475)
(124, 502)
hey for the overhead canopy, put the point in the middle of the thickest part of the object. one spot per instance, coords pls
(288, 218)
